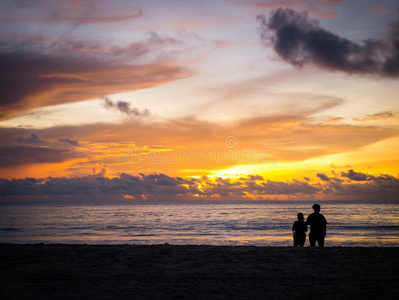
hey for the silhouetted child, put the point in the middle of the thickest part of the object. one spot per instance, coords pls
(299, 230)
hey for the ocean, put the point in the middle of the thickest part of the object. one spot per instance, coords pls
(196, 223)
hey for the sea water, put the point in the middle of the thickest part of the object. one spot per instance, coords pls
(196, 223)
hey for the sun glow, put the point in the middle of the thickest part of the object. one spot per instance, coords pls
(221, 106)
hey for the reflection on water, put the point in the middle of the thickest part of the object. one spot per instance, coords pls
(241, 223)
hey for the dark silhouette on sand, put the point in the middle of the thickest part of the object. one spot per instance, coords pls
(318, 227)
(299, 230)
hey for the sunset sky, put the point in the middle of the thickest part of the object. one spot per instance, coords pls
(183, 100)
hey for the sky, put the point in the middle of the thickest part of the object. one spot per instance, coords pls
(199, 100)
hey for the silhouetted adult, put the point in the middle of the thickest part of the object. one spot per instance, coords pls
(318, 227)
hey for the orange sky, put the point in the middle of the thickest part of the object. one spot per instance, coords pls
(215, 92)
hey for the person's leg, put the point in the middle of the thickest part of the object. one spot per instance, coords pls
(320, 241)
(312, 240)
(302, 240)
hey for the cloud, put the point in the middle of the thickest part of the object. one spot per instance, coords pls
(377, 10)
(291, 3)
(102, 172)
(124, 107)
(159, 186)
(284, 138)
(323, 176)
(68, 141)
(358, 176)
(31, 139)
(378, 116)
(44, 11)
(333, 166)
(15, 156)
(300, 40)
(153, 184)
(321, 8)
(35, 74)
(75, 19)
(270, 4)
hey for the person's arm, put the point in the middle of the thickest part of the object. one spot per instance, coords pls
(308, 220)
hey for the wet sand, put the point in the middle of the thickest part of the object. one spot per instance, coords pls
(61, 271)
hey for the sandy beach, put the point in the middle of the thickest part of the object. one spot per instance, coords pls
(60, 271)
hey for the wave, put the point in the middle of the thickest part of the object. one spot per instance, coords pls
(11, 229)
(370, 227)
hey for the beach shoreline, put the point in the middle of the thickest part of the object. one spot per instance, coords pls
(77, 271)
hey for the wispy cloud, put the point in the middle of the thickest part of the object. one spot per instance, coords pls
(35, 74)
(166, 145)
(76, 19)
(13, 156)
(325, 9)
(68, 141)
(378, 116)
(377, 10)
(33, 138)
(85, 11)
(291, 3)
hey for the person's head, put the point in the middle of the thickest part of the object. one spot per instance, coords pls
(300, 216)
(316, 207)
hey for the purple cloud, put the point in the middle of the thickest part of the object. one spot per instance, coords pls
(124, 107)
(300, 40)
(159, 186)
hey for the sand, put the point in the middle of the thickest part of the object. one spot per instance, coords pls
(61, 271)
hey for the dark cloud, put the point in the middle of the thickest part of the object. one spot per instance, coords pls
(288, 188)
(158, 186)
(68, 141)
(256, 177)
(42, 73)
(323, 176)
(27, 186)
(300, 40)
(13, 156)
(24, 147)
(124, 107)
(377, 188)
(153, 184)
(356, 176)
(31, 139)
(20, 70)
